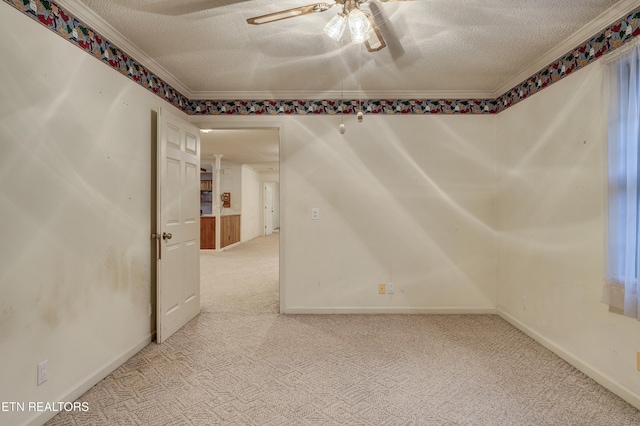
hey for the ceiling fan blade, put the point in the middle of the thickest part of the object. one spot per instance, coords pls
(289, 13)
(375, 41)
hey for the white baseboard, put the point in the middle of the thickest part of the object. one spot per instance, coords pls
(603, 379)
(383, 310)
(237, 243)
(91, 380)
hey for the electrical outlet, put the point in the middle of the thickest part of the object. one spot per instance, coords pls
(150, 310)
(43, 372)
(525, 303)
(638, 360)
(382, 289)
(391, 288)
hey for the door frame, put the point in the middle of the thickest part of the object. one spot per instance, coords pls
(266, 227)
(258, 122)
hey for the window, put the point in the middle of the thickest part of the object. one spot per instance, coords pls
(621, 288)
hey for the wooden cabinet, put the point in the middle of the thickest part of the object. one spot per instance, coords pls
(208, 232)
(206, 185)
(229, 230)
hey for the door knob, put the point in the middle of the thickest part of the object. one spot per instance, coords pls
(166, 235)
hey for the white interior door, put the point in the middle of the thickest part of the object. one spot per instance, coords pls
(276, 205)
(268, 208)
(178, 218)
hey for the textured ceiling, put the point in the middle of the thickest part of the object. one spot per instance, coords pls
(466, 47)
(257, 148)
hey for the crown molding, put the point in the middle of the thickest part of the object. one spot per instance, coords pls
(347, 94)
(102, 27)
(606, 18)
(598, 34)
(90, 18)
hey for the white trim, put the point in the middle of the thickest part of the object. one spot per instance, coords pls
(102, 27)
(618, 11)
(600, 377)
(232, 245)
(407, 311)
(89, 381)
(257, 122)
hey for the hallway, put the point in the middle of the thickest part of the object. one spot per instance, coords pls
(243, 279)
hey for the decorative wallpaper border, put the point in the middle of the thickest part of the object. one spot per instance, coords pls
(67, 26)
(336, 106)
(608, 40)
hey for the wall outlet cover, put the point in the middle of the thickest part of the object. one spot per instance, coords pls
(43, 372)
(382, 289)
(391, 288)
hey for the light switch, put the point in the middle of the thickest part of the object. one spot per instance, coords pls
(315, 213)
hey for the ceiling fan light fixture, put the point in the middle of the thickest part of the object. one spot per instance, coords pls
(359, 26)
(335, 27)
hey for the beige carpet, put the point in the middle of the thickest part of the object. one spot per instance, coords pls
(242, 363)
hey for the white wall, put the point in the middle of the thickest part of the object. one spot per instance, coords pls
(407, 199)
(231, 182)
(250, 219)
(270, 176)
(76, 168)
(551, 216)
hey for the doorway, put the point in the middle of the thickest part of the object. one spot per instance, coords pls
(248, 162)
(271, 197)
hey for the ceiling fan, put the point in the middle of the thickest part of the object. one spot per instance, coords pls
(361, 24)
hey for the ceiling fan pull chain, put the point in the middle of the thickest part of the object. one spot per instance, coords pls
(342, 126)
(360, 114)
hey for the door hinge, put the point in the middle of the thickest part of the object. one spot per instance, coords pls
(156, 236)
